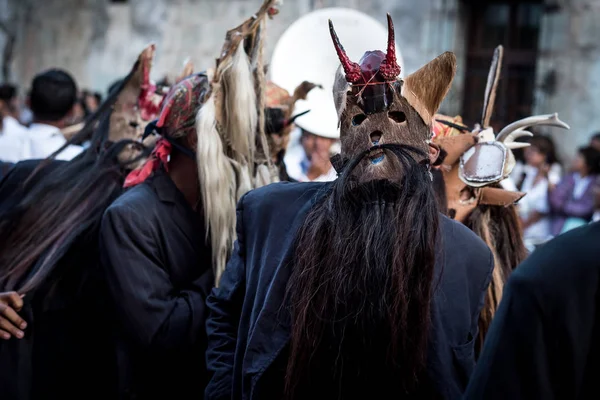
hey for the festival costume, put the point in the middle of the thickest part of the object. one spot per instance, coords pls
(249, 322)
(476, 162)
(65, 352)
(160, 254)
(280, 118)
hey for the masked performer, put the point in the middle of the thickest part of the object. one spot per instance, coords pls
(476, 162)
(164, 241)
(280, 120)
(357, 288)
(57, 344)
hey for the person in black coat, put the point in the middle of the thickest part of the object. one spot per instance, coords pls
(50, 213)
(543, 341)
(157, 263)
(357, 288)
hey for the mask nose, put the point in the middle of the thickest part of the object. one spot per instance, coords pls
(376, 137)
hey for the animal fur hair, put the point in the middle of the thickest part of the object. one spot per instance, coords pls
(217, 186)
(340, 92)
(240, 114)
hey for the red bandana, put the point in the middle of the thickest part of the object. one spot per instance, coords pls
(159, 155)
(177, 119)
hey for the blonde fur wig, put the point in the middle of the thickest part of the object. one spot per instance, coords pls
(232, 151)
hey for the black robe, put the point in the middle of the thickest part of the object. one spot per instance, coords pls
(248, 332)
(66, 352)
(544, 341)
(159, 271)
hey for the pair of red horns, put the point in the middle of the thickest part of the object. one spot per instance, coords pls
(389, 67)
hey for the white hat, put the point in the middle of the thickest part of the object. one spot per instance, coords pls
(322, 119)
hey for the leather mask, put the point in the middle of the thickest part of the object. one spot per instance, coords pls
(375, 106)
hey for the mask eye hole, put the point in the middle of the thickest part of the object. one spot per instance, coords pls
(133, 124)
(358, 119)
(397, 116)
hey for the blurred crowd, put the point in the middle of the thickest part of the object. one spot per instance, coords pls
(36, 125)
(560, 196)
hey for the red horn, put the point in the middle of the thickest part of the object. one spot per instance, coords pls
(352, 69)
(389, 68)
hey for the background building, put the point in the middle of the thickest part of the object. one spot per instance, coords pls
(552, 54)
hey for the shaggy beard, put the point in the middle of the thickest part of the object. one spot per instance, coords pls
(361, 286)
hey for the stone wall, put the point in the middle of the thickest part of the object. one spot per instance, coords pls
(98, 40)
(568, 72)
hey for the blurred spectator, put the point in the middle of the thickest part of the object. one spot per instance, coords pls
(79, 112)
(13, 135)
(572, 201)
(538, 176)
(595, 141)
(91, 101)
(9, 110)
(53, 95)
(310, 162)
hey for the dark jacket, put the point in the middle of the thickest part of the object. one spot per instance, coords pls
(158, 269)
(65, 353)
(247, 330)
(543, 342)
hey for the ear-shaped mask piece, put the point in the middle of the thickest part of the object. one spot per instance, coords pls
(426, 88)
(137, 103)
(498, 197)
(188, 69)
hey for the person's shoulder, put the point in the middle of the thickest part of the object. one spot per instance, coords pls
(464, 253)
(288, 195)
(564, 264)
(457, 236)
(132, 201)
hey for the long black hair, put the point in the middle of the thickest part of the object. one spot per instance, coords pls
(56, 209)
(360, 290)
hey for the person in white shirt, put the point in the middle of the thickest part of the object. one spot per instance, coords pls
(13, 135)
(311, 146)
(52, 97)
(537, 178)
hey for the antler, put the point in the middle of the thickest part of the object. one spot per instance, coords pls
(510, 139)
(389, 68)
(352, 69)
(550, 119)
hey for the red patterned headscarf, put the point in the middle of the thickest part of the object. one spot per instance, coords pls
(177, 119)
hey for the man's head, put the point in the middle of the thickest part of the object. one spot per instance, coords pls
(315, 144)
(9, 102)
(52, 97)
(587, 161)
(377, 107)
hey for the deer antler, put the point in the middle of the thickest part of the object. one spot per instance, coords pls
(510, 139)
(550, 119)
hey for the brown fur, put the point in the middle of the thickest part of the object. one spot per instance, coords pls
(500, 229)
(426, 88)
